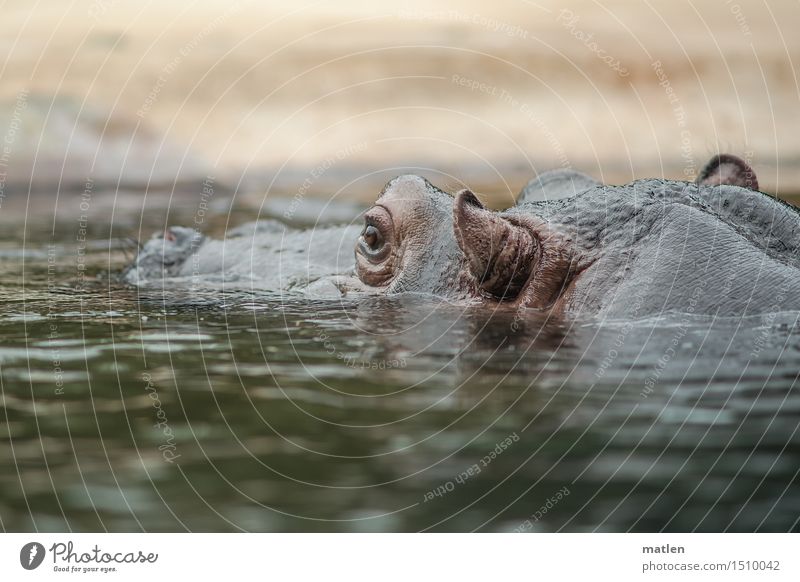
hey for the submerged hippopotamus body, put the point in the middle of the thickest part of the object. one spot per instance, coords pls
(261, 256)
(574, 246)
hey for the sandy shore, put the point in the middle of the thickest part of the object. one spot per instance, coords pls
(331, 98)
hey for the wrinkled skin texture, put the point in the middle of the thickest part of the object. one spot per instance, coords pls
(654, 246)
(419, 252)
(645, 248)
(569, 246)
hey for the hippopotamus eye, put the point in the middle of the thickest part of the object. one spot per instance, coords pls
(372, 236)
(375, 243)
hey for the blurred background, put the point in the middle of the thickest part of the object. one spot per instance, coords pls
(324, 99)
(130, 409)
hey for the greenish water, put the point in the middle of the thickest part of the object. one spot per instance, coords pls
(128, 410)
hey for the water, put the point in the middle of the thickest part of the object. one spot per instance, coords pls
(128, 410)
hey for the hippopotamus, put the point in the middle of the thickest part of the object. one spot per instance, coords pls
(571, 245)
(266, 255)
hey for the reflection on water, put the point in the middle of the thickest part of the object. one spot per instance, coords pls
(128, 410)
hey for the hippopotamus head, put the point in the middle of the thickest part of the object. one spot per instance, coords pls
(164, 254)
(417, 238)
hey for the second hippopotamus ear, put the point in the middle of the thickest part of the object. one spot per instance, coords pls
(728, 169)
(499, 253)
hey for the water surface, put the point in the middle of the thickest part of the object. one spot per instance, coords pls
(129, 409)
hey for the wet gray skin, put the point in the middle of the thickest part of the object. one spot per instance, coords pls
(555, 185)
(570, 245)
(164, 256)
(714, 247)
(265, 256)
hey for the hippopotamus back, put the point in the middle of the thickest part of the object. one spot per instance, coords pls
(659, 245)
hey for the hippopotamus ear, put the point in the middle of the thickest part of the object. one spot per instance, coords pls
(728, 169)
(499, 253)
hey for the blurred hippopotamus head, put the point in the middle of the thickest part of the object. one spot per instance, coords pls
(164, 255)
